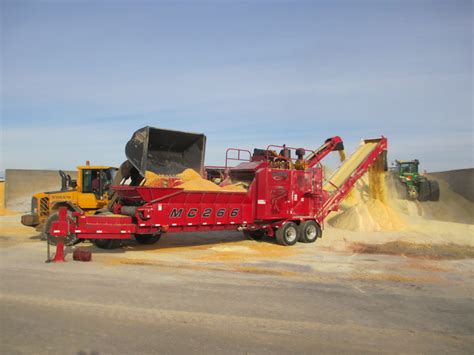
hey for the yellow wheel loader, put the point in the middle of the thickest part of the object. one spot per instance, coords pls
(89, 193)
(161, 151)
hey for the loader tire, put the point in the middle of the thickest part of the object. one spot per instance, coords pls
(424, 191)
(434, 188)
(254, 235)
(70, 240)
(147, 239)
(288, 234)
(106, 243)
(309, 232)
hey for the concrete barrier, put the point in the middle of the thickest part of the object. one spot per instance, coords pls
(460, 181)
(21, 184)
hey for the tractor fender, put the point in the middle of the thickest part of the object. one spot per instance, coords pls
(69, 205)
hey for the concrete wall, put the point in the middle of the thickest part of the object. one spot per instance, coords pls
(21, 184)
(460, 181)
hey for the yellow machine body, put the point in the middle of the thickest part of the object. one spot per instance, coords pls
(89, 193)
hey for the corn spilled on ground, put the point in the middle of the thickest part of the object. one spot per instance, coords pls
(372, 214)
(3, 210)
(189, 180)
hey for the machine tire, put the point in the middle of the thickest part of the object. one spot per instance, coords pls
(106, 243)
(288, 234)
(309, 232)
(51, 240)
(254, 235)
(434, 189)
(147, 239)
(424, 191)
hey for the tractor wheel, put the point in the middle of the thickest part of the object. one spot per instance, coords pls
(402, 190)
(434, 187)
(309, 232)
(288, 234)
(254, 235)
(147, 238)
(424, 190)
(69, 240)
(106, 243)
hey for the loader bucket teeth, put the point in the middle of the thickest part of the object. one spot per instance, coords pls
(165, 151)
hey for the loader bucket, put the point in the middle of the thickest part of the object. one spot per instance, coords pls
(164, 151)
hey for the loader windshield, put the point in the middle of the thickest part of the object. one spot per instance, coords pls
(97, 181)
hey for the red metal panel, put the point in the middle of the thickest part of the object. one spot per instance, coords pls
(105, 227)
(191, 208)
(274, 194)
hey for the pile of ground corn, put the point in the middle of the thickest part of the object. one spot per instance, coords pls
(371, 214)
(3, 210)
(189, 180)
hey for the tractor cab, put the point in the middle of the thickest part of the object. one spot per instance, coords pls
(407, 168)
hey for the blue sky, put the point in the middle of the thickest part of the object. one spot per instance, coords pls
(78, 77)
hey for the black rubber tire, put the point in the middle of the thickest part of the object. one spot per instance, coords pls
(51, 240)
(434, 188)
(106, 243)
(147, 239)
(309, 231)
(288, 234)
(424, 191)
(254, 235)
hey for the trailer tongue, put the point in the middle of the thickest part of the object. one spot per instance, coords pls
(282, 201)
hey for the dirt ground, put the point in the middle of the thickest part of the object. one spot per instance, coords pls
(368, 286)
(216, 292)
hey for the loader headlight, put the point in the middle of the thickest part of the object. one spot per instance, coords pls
(34, 205)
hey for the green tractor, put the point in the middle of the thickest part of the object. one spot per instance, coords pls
(414, 186)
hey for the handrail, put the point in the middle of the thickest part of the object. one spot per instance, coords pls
(239, 158)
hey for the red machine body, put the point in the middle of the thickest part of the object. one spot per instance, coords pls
(275, 196)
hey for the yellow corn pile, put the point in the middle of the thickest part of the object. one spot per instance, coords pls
(191, 181)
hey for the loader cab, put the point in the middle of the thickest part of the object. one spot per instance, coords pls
(96, 180)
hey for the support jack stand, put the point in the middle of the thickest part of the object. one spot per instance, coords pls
(59, 255)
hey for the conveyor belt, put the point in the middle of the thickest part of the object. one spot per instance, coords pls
(339, 177)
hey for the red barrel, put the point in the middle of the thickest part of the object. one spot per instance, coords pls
(81, 254)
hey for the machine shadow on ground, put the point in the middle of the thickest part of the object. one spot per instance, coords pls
(180, 242)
